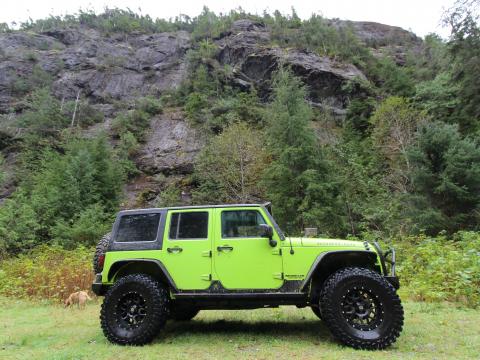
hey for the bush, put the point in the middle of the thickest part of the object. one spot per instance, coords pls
(438, 269)
(48, 272)
(66, 199)
(84, 229)
(150, 105)
(194, 105)
(136, 122)
(445, 172)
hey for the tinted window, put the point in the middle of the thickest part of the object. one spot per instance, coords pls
(138, 227)
(241, 223)
(189, 225)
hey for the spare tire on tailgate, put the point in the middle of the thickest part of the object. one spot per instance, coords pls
(100, 250)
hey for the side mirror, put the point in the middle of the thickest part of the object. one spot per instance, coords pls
(266, 231)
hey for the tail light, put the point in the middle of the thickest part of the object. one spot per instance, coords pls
(101, 261)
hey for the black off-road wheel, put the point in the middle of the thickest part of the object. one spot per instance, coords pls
(183, 313)
(134, 310)
(100, 250)
(361, 309)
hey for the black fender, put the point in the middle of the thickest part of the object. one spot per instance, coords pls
(353, 257)
(151, 267)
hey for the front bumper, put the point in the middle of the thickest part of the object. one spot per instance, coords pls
(98, 287)
(392, 278)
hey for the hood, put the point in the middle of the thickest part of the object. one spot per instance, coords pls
(325, 242)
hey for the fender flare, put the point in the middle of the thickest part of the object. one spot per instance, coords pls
(323, 257)
(118, 265)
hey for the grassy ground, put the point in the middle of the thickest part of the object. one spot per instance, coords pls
(41, 331)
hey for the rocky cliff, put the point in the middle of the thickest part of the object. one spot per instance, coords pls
(106, 70)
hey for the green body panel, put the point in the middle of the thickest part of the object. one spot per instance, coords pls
(251, 263)
(305, 252)
(191, 268)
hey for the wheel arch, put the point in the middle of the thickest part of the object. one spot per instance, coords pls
(151, 267)
(329, 262)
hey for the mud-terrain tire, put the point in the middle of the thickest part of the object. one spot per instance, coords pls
(101, 249)
(134, 310)
(361, 309)
(183, 313)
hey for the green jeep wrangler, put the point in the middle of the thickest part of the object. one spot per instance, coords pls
(170, 263)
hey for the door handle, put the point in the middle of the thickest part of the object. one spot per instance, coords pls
(175, 250)
(225, 248)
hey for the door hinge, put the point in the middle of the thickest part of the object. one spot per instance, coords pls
(207, 253)
(277, 251)
(206, 277)
(278, 276)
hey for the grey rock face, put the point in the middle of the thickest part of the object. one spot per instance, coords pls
(253, 64)
(246, 25)
(385, 40)
(171, 147)
(102, 68)
(107, 69)
(380, 34)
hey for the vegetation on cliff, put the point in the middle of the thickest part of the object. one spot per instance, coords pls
(390, 148)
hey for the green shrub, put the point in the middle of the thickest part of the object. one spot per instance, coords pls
(48, 272)
(150, 105)
(170, 196)
(31, 56)
(126, 150)
(194, 105)
(438, 269)
(136, 122)
(86, 114)
(84, 229)
(39, 77)
(20, 86)
(65, 199)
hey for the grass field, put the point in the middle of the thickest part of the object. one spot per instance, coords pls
(42, 331)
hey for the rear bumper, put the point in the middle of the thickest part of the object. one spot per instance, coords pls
(98, 287)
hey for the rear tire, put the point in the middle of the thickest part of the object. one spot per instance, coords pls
(101, 249)
(361, 309)
(134, 310)
(183, 313)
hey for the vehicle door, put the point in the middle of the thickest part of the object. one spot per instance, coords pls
(242, 258)
(187, 245)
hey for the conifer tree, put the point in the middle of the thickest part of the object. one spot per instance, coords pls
(297, 180)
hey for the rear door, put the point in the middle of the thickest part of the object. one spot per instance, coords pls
(243, 259)
(187, 248)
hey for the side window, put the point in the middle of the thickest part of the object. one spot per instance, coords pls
(138, 227)
(241, 223)
(189, 225)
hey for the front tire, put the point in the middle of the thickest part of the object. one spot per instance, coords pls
(134, 310)
(361, 309)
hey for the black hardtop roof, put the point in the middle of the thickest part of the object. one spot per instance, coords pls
(191, 207)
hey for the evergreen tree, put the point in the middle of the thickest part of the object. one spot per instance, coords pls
(464, 47)
(62, 197)
(445, 173)
(297, 180)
